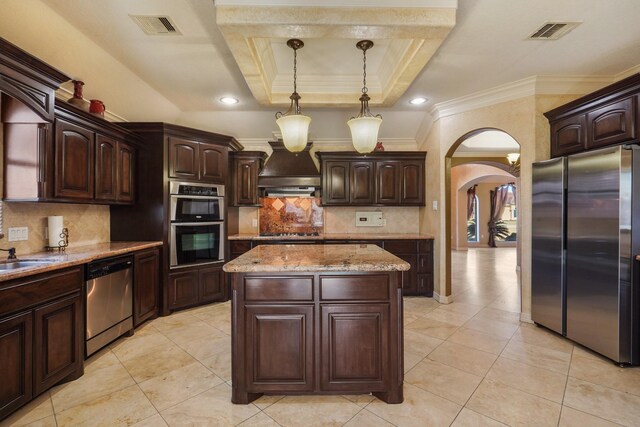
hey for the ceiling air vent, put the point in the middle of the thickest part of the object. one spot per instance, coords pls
(553, 30)
(156, 25)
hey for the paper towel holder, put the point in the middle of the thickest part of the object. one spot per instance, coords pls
(62, 243)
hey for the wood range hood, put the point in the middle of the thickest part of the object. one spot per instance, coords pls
(287, 173)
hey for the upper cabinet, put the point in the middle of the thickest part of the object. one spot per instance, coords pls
(81, 158)
(193, 160)
(245, 168)
(376, 179)
(608, 116)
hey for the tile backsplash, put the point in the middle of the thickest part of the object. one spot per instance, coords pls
(87, 224)
(290, 215)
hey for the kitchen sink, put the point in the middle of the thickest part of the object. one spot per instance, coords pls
(14, 265)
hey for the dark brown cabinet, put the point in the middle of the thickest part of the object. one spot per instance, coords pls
(197, 161)
(245, 167)
(212, 284)
(198, 285)
(377, 179)
(73, 161)
(126, 161)
(106, 168)
(183, 289)
(41, 335)
(606, 117)
(146, 285)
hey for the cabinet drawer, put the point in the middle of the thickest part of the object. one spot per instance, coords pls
(401, 246)
(345, 288)
(425, 264)
(425, 246)
(278, 288)
(24, 293)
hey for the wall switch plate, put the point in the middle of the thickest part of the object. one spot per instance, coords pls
(18, 233)
(434, 205)
(370, 219)
(254, 222)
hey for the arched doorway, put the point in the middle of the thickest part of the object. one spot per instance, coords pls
(487, 149)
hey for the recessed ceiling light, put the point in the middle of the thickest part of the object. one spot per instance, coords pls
(417, 101)
(229, 100)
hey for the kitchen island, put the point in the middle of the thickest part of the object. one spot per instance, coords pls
(317, 319)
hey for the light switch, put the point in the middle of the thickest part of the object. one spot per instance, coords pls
(434, 205)
(18, 233)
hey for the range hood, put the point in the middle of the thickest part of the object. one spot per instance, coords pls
(289, 173)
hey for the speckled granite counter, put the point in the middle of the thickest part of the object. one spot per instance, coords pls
(281, 258)
(336, 236)
(73, 256)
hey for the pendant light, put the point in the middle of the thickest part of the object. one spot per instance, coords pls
(294, 126)
(364, 127)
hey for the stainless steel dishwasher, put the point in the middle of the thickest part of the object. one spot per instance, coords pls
(109, 301)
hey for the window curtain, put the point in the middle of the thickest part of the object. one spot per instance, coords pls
(498, 199)
(471, 201)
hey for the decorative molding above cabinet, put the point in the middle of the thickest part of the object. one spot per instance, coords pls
(606, 117)
(377, 179)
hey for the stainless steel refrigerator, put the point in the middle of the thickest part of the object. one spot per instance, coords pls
(585, 233)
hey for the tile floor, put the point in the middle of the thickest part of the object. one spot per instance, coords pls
(469, 363)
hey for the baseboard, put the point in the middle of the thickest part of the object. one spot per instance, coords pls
(526, 317)
(442, 299)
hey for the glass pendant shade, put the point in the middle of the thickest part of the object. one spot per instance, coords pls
(513, 158)
(294, 129)
(364, 133)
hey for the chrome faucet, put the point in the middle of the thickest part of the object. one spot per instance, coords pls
(12, 253)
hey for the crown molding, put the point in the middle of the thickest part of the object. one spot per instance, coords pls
(534, 85)
(341, 3)
(628, 72)
(332, 144)
(64, 94)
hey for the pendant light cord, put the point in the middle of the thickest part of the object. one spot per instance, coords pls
(295, 69)
(364, 71)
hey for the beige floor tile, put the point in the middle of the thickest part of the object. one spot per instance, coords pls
(448, 316)
(204, 348)
(91, 386)
(154, 421)
(186, 334)
(174, 321)
(581, 351)
(479, 340)
(211, 408)
(419, 343)
(499, 315)
(311, 411)
(537, 381)
(599, 370)
(49, 421)
(265, 401)
(38, 409)
(603, 402)
(219, 364)
(365, 418)
(536, 335)
(420, 408)
(432, 328)
(443, 380)
(131, 347)
(469, 418)
(462, 307)
(101, 359)
(259, 420)
(158, 362)
(178, 385)
(122, 408)
(541, 357)
(361, 400)
(572, 418)
(411, 359)
(464, 358)
(513, 407)
(493, 327)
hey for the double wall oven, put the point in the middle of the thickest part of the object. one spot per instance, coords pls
(197, 224)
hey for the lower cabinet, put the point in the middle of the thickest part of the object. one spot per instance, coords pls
(195, 285)
(146, 271)
(41, 335)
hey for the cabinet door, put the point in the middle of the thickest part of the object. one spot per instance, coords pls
(213, 163)
(184, 159)
(611, 124)
(287, 366)
(246, 182)
(425, 285)
(335, 185)
(183, 289)
(412, 183)
(16, 367)
(355, 347)
(212, 284)
(146, 273)
(238, 247)
(568, 135)
(361, 183)
(106, 168)
(73, 161)
(409, 278)
(125, 172)
(58, 342)
(388, 182)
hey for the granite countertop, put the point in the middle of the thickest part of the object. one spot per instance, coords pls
(73, 256)
(336, 236)
(281, 258)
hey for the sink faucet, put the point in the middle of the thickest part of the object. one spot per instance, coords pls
(12, 253)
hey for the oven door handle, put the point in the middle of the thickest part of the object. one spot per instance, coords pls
(175, 223)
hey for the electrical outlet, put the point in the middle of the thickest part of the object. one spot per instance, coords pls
(434, 205)
(254, 223)
(18, 233)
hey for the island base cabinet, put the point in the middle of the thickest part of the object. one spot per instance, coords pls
(317, 333)
(16, 367)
